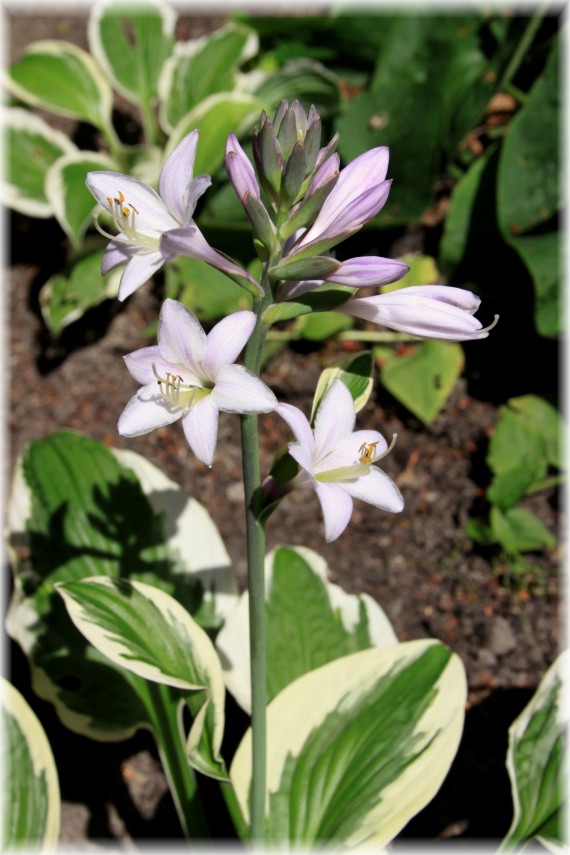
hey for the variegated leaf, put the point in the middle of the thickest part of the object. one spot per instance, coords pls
(131, 42)
(70, 200)
(149, 633)
(61, 77)
(30, 787)
(310, 621)
(359, 746)
(356, 372)
(535, 762)
(32, 146)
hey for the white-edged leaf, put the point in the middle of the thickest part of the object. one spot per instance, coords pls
(215, 117)
(70, 200)
(62, 78)
(202, 67)
(131, 41)
(310, 621)
(356, 372)
(30, 787)
(535, 762)
(359, 746)
(78, 509)
(31, 147)
(148, 632)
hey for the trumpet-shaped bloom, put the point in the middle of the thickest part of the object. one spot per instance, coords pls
(191, 376)
(146, 220)
(338, 461)
(358, 195)
(429, 311)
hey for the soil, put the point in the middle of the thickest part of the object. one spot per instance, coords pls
(431, 580)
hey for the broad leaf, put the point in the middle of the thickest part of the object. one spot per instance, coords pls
(30, 788)
(215, 117)
(356, 372)
(146, 631)
(421, 116)
(320, 326)
(535, 761)
(77, 510)
(71, 201)
(357, 747)
(542, 255)
(31, 148)
(321, 299)
(203, 67)
(62, 78)
(424, 379)
(66, 296)
(519, 530)
(310, 622)
(131, 42)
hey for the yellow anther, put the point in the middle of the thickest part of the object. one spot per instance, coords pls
(121, 197)
(366, 451)
(126, 212)
(110, 201)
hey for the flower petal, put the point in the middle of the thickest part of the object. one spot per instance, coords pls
(446, 294)
(201, 429)
(337, 506)
(377, 489)
(334, 420)
(191, 243)
(146, 411)
(181, 339)
(302, 455)
(237, 390)
(139, 364)
(347, 452)
(240, 170)
(176, 176)
(368, 271)
(139, 269)
(226, 340)
(152, 217)
(299, 424)
(117, 252)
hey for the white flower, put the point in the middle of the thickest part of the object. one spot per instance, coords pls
(338, 461)
(191, 376)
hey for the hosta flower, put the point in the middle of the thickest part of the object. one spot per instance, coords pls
(428, 311)
(358, 195)
(361, 272)
(191, 376)
(153, 227)
(338, 462)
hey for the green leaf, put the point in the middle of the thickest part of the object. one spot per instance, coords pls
(66, 296)
(77, 509)
(71, 201)
(207, 292)
(30, 788)
(131, 42)
(357, 747)
(321, 299)
(307, 80)
(216, 117)
(430, 86)
(530, 159)
(545, 420)
(424, 380)
(309, 622)
(31, 148)
(202, 67)
(147, 632)
(320, 326)
(519, 530)
(423, 271)
(461, 219)
(62, 78)
(356, 372)
(535, 762)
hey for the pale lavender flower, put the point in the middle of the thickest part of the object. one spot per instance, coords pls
(240, 170)
(153, 227)
(366, 271)
(428, 311)
(338, 461)
(358, 195)
(191, 376)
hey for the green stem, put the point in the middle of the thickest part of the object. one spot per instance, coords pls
(163, 714)
(523, 46)
(255, 533)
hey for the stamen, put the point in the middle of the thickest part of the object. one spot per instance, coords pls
(388, 450)
(171, 386)
(493, 324)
